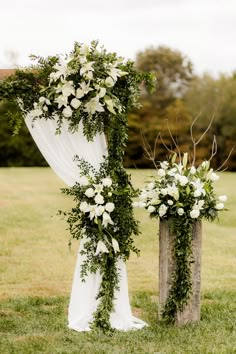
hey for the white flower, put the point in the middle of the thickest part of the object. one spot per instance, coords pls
(197, 193)
(205, 165)
(180, 211)
(222, 198)
(183, 180)
(214, 177)
(61, 100)
(101, 247)
(83, 181)
(220, 206)
(151, 209)
(135, 204)
(83, 90)
(115, 245)
(162, 210)
(164, 191)
(106, 219)
(84, 207)
(143, 196)
(155, 201)
(110, 207)
(194, 213)
(185, 159)
(87, 67)
(109, 104)
(109, 194)
(164, 165)
(150, 185)
(93, 106)
(161, 172)
(170, 202)
(99, 210)
(173, 191)
(92, 210)
(67, 112)
(89, 192)
(107, 182)
(89, 75)
(67, 89)
(109, 82)
(99, 199)
(44, 100)
(141, 204)
(192, 170)
(98, 188)
(102, 92)
(75, 103)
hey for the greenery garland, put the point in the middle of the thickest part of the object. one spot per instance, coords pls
(99, 89)
(181, 195)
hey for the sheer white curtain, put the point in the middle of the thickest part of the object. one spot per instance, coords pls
(59, 151)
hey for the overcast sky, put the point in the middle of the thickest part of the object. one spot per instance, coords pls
(204, 30)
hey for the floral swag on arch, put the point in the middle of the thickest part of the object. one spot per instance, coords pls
(93, 89)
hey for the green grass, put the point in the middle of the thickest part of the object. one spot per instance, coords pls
(36, 270)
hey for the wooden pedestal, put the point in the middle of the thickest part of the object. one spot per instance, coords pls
(191, 311)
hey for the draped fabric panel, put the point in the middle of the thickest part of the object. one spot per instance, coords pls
(59, 151)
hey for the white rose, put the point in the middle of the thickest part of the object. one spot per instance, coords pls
(222, 198)
(75, 103)
(197, 193)
(180, 211)
(107, 182)
(183, 180)
(151, 209)
(67, 112)
(220, 206)
(161, 172)
(83, 181)
(89, 192)
(110, 207)
(84, 207)
(99, 199)
(162, 210)
(164, 191)
(194, 213)
(214, 177)
(170, 202)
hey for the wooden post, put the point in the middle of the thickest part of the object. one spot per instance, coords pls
(191, 311)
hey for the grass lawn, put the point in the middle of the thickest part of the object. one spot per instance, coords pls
(36, 270)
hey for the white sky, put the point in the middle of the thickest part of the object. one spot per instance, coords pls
(205, 30)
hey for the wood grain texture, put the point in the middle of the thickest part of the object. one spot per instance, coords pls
(191, 311)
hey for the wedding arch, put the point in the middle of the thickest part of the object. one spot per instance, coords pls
(75, 107)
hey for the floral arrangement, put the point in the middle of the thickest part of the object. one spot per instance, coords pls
(182, 195)
(98, 88)
(89, 84)
(182, 191)
(106, 227)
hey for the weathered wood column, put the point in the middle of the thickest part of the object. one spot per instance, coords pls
(191, 311)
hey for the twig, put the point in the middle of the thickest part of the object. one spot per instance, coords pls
(223, 164)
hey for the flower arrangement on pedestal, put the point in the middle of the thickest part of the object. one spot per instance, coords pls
(182, 195)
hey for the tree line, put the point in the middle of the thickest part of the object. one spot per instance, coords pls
(163, 121)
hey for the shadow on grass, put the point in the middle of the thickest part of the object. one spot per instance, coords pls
(39, 325)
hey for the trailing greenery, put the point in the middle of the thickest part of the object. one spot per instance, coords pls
(182, 195)
(98, 89)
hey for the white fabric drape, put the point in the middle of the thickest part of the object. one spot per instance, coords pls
(59, 151)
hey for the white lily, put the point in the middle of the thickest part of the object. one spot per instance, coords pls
(94, 106)
(83, 90)
(115, 245)
(87, 67)
(62, 101)
(106, 219)
(101, 247)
